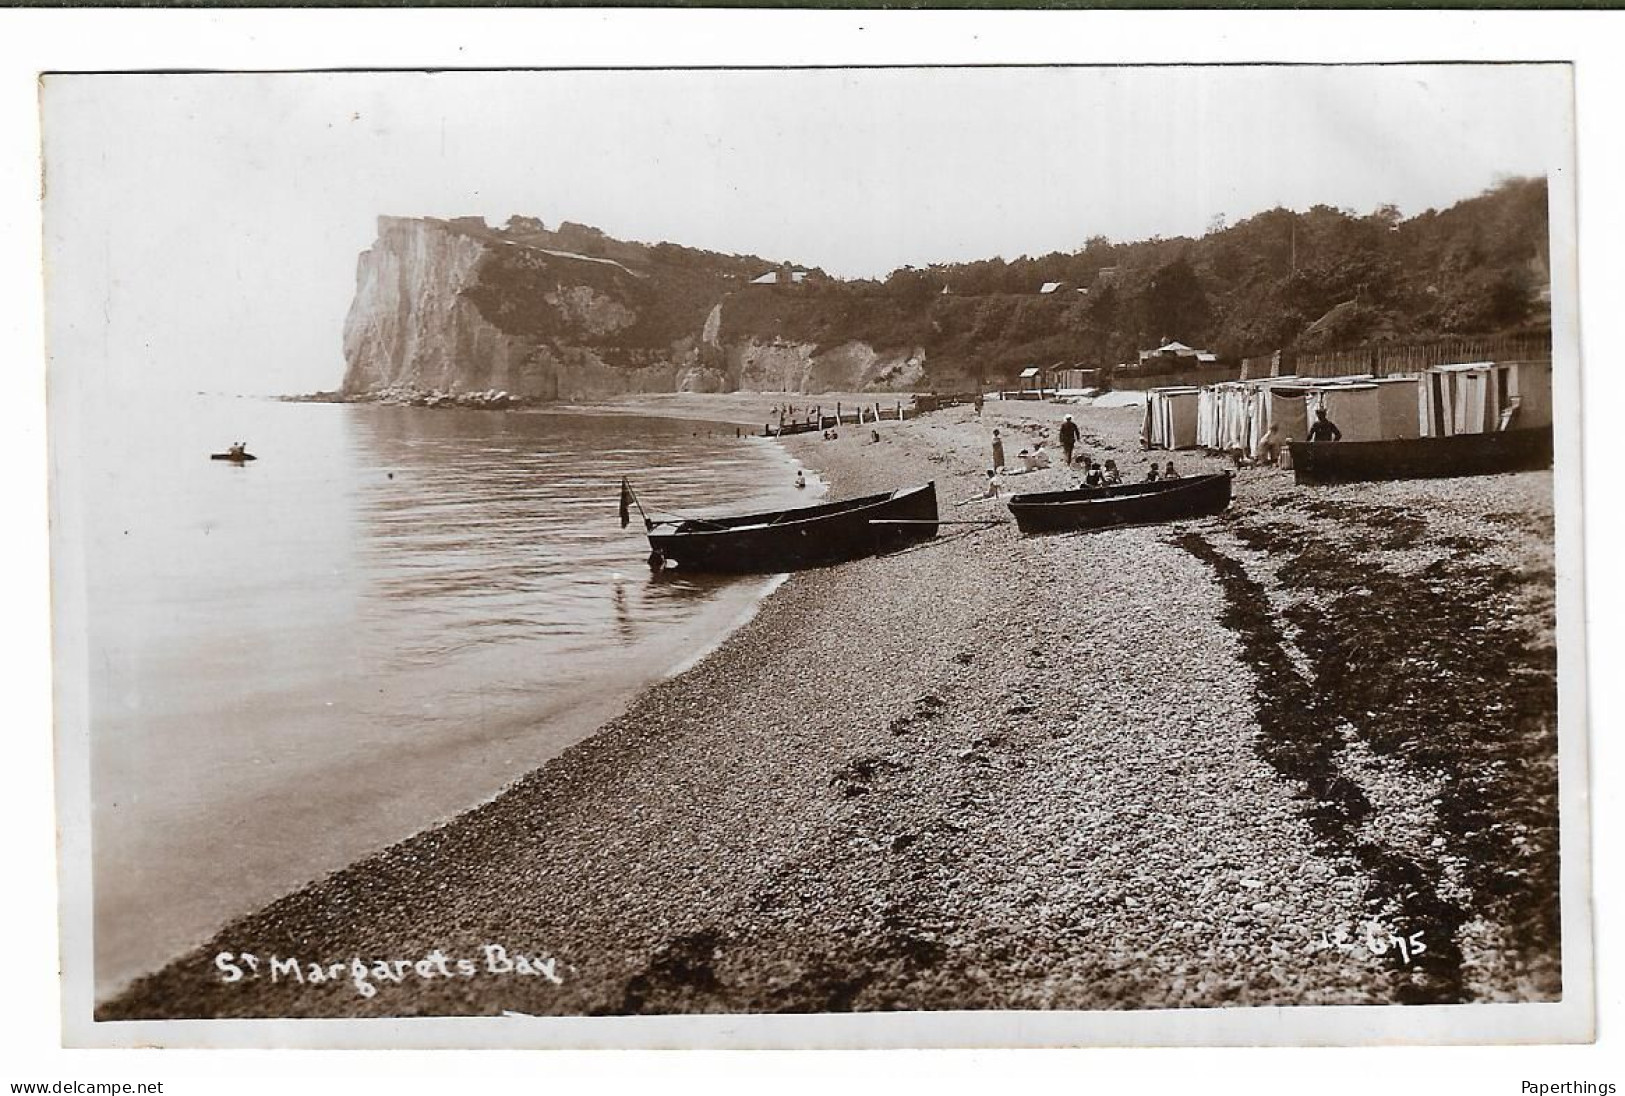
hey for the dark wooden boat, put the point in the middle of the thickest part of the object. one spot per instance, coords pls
(1422, 458)
(810, 536)
(1124, 504)
(235, 458)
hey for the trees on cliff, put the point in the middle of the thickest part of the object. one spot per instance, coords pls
(1323, 278)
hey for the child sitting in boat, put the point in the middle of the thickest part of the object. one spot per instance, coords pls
(1111, 476)
(1094, 476)
(1153, 474)
(1168, 471)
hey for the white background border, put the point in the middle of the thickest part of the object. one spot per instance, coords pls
(78, 40)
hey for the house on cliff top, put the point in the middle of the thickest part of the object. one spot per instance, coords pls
(1174, 355)
(784, 275)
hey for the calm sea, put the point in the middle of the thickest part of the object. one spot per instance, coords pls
(385, 619)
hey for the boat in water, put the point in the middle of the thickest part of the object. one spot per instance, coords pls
(1125, 504)
(808, 536)
(1527, 450)
(235, 458)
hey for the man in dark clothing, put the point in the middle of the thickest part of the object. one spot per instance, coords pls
(1069, 437)
(1324, 429)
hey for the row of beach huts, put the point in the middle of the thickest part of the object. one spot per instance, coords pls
(1441, 401)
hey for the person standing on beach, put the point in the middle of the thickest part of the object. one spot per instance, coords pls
(1069, 437)
(998, 451)
(1269, 446)
(1324, 429)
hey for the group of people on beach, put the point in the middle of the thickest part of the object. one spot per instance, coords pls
(1036, 458)
(1272, 445)
(1269, 450)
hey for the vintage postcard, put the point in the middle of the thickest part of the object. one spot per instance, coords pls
(837, 556)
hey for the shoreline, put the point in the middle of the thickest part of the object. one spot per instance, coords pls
(428, 778)
(745, 408)
(945, 779)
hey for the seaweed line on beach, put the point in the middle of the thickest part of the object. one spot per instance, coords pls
(1426, 675)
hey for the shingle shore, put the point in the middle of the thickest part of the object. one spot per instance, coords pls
(1135, 769)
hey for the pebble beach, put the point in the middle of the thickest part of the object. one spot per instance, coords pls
(1303, 753)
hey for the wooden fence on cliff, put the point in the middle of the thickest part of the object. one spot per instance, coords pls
(1383, 359)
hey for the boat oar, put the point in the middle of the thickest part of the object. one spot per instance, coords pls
(945, 539)
(630, 497)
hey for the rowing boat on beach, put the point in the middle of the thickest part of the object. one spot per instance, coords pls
(808, 536)
(1126, 504)
(1527, 450)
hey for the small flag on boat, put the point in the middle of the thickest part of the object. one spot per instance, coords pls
(626, 503)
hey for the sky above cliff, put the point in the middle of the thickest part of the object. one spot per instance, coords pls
(202, 230)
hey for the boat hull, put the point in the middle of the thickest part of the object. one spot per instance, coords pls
(813, 536)
(1127, 504)
(1422, 458)
(233, 459)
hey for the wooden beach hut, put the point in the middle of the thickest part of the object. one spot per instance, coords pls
(1483, 397)
(1353, 407)
(1398, 415)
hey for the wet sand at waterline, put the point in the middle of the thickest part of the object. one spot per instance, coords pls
(1214, 763)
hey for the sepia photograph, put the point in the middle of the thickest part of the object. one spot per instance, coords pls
(1089, 553)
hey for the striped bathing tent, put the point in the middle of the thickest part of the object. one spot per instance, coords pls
(1483, 397)
(1237, 414)
(1437, 402)
(1171, 418)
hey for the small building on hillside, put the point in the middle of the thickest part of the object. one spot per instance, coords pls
(1171, 356)
(784, 275)
(1075, 378)
(1029, 385)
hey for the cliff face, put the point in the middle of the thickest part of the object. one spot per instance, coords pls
(430, 314)
(457, 307)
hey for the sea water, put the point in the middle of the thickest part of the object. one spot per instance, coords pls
(385, 619)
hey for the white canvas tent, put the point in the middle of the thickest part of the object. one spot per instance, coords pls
(1237, 414)
(1171, 418)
